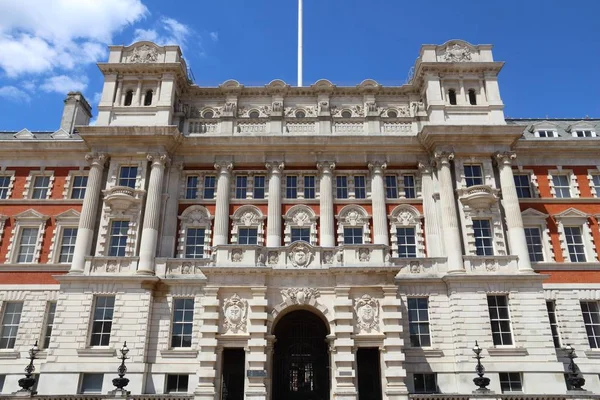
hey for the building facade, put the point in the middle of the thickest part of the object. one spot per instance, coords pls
(317, 242)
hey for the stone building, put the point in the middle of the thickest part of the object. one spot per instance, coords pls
(319, 242)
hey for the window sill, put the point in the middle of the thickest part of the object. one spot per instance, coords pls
(593, 354)
(9, 355)
(424, 351)
(179, 353)
(97, 352)
(508, 352)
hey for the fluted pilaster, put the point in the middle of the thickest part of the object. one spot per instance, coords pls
(221, 229)
(275, 169)
(327, 233)
(380, 222)
(432, 225)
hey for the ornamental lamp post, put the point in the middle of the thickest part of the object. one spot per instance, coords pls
(480, 381)
(575, 380)
(121, 381)
(27, 383)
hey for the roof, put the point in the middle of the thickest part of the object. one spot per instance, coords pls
(564, 127)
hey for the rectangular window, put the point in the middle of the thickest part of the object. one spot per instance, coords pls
(209, 187)
(128, 176)
(27, 245)
(473, 175)
(575, 244)
(407, 243)
(425, 383)
(291, 187)
(2, 378)
(500, 320)
(104, 308)
(483, 237)
(533, 237)
(191, 187)
(391, 187)
(259, 187)
(49, 324)
(409, 187)
(591, 319)
(194, 243)
(510, 382)
(595, 183)
(247, 236)
(546, 133)
(183, 322)
(5, 185)
(341, 185)
(551, 307)
(91, 383)
(79, 185)
(177, 383)
(418, 322)
(10, 324)
(585, 133)
(118, 238)
(309, 187)
(562, 186)
(241, 186)
(301, 234)
(353, 235)
(522, 185)
(41, 185)
(360, 187)
(67, 245)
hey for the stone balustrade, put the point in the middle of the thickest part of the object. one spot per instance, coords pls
(110, 265)
(491, 264)
(121, 198)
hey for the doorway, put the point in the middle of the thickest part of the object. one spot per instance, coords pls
(232, 386)
(369, 373)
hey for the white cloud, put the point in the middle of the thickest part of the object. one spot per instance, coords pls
(96, 98)
(14, 94)
(214, 36)
(167, 31)
(37, 37)
(145, 34)
(64, 84)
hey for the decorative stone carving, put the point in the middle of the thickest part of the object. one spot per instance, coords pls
(237, 255)
(328, 257)
(277, 106)
(323, 106)
(260, 260)
(144, 54)
(364, 254)
(354, 218)
(356, 111)
(300, 255)
(300, 295)
(310, 111)
(230, 107)
(197, 216)
(273, 257)
(249, 218)
(457, 53)
(367, 313)
(371, 107)
(235, 311)
(186, 269)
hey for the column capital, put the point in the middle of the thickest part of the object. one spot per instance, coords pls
(159, 160)
(443, 157)
(505, 157)
(377, 167)
(224, 167)
(425, 168)
(275, 167)
(96, 159)
(326, 167)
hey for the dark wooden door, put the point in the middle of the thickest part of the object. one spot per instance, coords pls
(369, 374)
(232, 387)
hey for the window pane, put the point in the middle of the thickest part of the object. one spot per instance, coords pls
(409, 187)
(49, 324)
(128, 177)
(4, 185)
(418, 322)
(391, 187)
(483, 237)
(562, 186)
(209, 187)
(291, 187)
(500, 320)
(183, 322)
(27, 245)
(92, 383)
(591, 319)
(473, 175)
(67, 245)
(510, 382)
(10, 324)
(102, 322)
(341, 187)
(522, 186)
(309, 187)
(425, 383)
(534, 244)
(194, 243)
(118, 238)
(360, 187)
(407, 246)
(191, 187)
(551, 307)
(79, 185)
(177, 383)
(353, 235)
(300, 234)
(259, 187)
(248, 236)
(41, 184)
(241, 187)
(575, 244)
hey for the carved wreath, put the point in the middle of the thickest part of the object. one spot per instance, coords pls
(235, 311)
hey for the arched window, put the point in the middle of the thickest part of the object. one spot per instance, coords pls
(247, 226)
(208, 114)
(128, 98)
(300, 114)
(472, 97)
(148, 98)
(452, 97)
(194, 234)
(253, 114)
(300, 225)
(406, 232)
(346, 114)
(353, 225)
(392, 114)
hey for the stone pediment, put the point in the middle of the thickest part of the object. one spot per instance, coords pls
(60, 134)
(24, 134)
(549, 125)
(69, 215)
(31, 215)
(571, 213)
(533, 213)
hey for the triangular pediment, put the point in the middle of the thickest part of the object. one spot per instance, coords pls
(31, 214)
(24, 134)
(571, 213)
(581, 125)
(533, 213)
(60, 134)
(69, 215)
(543, 125)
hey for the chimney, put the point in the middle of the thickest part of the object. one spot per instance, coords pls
(77, 111)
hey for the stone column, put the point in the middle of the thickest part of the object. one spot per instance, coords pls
(275, 169)
(221, 228)
(138, 94)
(168, 238)
(432, 225)
(512, 210)
(87, 219)
(118, 95)
(327, 225)
(449, 217)
(152, 214)
(380, 221)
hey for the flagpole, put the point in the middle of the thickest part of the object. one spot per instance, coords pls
(299, 43)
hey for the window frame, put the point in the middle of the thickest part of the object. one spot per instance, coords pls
(341, 187)
(167, 391)
(109, 237)
(571, 180)
(418, 342)
(191, 192)
(594, 173)
(309, 187)
(357, 188)
(593, 332)
(93, 320)
(197, 217)
(484, 249)
(248, 216)
(473, 178)
(390, 190)
(30, 188)
(554, 325)
(575, 218)
(291, 187)
(406, 216)
(70, 183)
(120, 178)
(26, 219)
(353, 216)
(553, 133)
(300, 216)
(508, 380)
(519, 188)
(499, 320)
(11, 182)
(575, 133)
(256, 188)
(48, 326)
(424, 375)
(13, 334)
(82, 380)
(531, 246)
(65, 220)
(205, 187)
(182, 323)
(533, 218)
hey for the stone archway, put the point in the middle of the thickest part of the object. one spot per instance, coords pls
(300, 358)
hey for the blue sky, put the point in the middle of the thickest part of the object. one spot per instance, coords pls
(48, 47)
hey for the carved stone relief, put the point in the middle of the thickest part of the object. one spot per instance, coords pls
(300, 295)
(235, 311)
(457, 53)
(367, 313)
(300, 255)
(144, 54)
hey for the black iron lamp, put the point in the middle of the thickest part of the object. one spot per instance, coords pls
(481, 382)
(121, 381)
(575, 380)
(27, 383)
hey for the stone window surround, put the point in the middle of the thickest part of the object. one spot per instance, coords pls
(67, 219)
(350, 174)
(533, 181)
(511, 320)
(114, 171)
(406, 216)
(132, 84)
(462, 96)
(487, 171)
(26, 219)
(249, 184)
(573, 184)
(30, 180)
(248, 216)
(300, 184)
(200, 188)
(399, 174)
(178, 292)
(574, 217)
(3, 219)
(194, 217)
(536, 219)
(590, 175)
(292, 220)
(493, 215)
(11, 183)
(68, 189)
(359, 219)
(104, 235)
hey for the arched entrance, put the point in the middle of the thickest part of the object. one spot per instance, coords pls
(300, 358)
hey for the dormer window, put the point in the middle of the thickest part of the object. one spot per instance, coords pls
(452, 97)
(584, 133)
(253, 114)
(546, 133)
(472, 97)
(148, 98)
(128, 98)
(346, 114)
